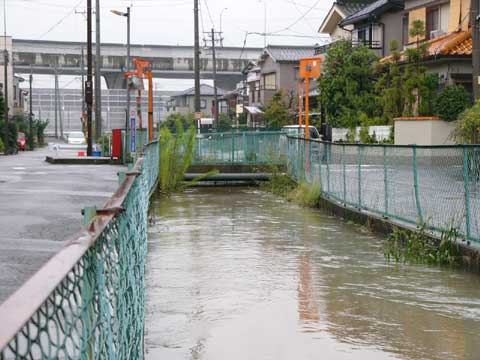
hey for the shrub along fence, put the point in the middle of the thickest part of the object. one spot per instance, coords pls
(438, 186)
(88, 301)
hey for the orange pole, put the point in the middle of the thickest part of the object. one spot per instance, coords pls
(307, 107)
(150, 107)
(139, 109)
(300, 106)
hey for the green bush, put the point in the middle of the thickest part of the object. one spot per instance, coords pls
(224, 122)
(468, 126)
(12, 133)
(40, 127)
(451, 102)
(2, 147)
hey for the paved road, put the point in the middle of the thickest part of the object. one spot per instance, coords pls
(40, 207)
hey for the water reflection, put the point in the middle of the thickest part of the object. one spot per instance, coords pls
(239, 274)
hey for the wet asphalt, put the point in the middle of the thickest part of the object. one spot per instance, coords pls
(40, 208)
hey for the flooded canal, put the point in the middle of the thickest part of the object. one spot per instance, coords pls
(239, 274)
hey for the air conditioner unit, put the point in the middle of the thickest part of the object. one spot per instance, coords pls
(435, 33)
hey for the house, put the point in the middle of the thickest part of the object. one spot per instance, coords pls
(6, 42)
(377, 25)
(448, 37)
(339, 11)
(184, 102)
(276, 70)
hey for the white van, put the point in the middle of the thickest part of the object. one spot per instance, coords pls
(295, 130)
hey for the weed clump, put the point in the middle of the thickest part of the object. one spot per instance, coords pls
(305, 194)
(417, 247)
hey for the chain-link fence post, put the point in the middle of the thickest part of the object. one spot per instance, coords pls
(466, 181)
(327, 156)
(415, 184)
(385, 179)
(344, 175)
(359, 161)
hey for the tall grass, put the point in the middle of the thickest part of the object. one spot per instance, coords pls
(176, 155)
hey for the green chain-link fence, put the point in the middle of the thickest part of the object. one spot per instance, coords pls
(241, 147)
(434, 185)
(88, 301)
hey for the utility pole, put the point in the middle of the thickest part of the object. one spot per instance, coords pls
(5, 82)
(88, 84)
(197, 62)
(82, 70)
(98, 75)
(214, 58)
(56, 101)
(474, 23)
(30, 138)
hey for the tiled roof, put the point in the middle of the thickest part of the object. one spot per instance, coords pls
(374, 9)
(289, 53)
(349, 8)
(451, 44)
(205, 90)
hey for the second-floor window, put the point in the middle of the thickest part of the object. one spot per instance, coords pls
(270, 81)
(433, 19)
(405, 30)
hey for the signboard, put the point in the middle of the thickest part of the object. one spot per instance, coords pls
(310, 68)
(133, 134)
(198, 115)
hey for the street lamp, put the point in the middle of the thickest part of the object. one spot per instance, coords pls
(221, 33)
(127, 15)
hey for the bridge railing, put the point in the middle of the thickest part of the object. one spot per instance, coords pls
(438, 186)
(88, 301)
(241, 147)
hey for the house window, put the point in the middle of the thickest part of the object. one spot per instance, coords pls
(203, 104)
(405, 30)
(433, 17)
(270, 81)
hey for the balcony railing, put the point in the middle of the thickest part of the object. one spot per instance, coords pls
(371, 44)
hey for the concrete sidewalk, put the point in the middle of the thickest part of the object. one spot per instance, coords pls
(40, 207)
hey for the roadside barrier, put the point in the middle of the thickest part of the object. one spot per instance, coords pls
(241, 147)
(438, 186)
(88, 301)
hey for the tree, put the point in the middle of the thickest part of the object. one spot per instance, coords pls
(389, 86)
(276, 112)
(451, 102)
(346, 85)
(171, 122)
(419, 88)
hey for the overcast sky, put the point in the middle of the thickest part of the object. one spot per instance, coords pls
(292, 22)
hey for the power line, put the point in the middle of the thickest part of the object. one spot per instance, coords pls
(299, 19)
(68, 14)
(209, 14)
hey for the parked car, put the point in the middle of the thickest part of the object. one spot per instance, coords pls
(76, 138)
(294, 130)
(21, 141)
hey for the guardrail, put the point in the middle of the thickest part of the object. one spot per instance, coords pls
(438, 186)
(245, 147)
(88, 301)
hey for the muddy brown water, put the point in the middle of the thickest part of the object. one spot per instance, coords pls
(236, 273)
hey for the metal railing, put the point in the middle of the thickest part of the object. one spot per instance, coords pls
(241, 147)
(438, 186)
(88, 301)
